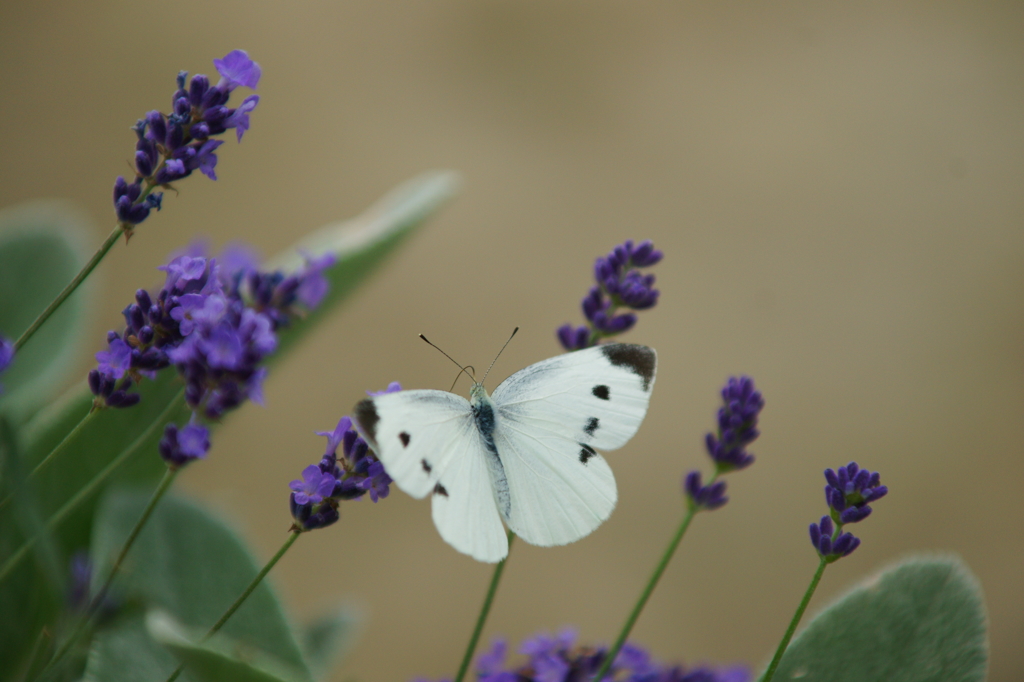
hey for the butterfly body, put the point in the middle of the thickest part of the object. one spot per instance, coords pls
(525, 456)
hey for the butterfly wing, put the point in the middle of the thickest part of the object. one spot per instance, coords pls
(551, 418)
(415, 434)
(428, 443)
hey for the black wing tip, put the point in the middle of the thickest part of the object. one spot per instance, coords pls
(366, 416)
(641, 360)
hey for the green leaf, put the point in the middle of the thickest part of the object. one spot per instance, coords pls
(124, 652)
(220, 659)
(190, 565)
(327, 640)
(42, 248)
(360, 246)
(920, 621)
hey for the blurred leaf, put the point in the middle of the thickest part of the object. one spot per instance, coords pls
(921, 621)
(124, 652)
(189, 564)
(360, 245)
(327, 640)
(42, 248)
(220, 659)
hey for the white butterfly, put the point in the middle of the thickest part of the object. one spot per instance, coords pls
(525, 455)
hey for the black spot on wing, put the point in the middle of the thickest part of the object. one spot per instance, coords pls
(426, 466)
(439, 490)
(366, 415)
(640, 360)
(601, 391)
(586, 452)
(591, 426)
(404, 437)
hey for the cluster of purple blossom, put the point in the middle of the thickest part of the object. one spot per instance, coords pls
(357, 472)
(215, 320)
(848, 492)
(6, 356)
(171, 146)
(619, 285)
(559, 659)
(737, 428)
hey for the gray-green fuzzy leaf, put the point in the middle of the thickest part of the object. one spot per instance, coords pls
(192, 566)
(41, 250)
(220, 659)
(920, 621)
(327, 640)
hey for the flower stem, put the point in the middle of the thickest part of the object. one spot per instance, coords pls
(796, 621)
(60, 446)
(242, 597)
(165, 483)
(97, 601)
(70, 288)
(646, 594)
(484, 610)
(91, 487)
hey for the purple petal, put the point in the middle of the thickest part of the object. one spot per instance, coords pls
(237, 69)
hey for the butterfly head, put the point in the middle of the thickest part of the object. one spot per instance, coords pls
(478, 394)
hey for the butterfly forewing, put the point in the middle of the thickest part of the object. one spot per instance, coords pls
(416, 434)
(551, 418)
(596, 396)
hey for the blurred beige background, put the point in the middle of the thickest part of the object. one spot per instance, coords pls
(838, 191)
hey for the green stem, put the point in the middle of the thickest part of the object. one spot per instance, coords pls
(484, 610)
(242, 597)
(796, 621)
(70, 288)
(91, 487)
(165, 483)
(97, 601)
(648, 590)
(53, 453)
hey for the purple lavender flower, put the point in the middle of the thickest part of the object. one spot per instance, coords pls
(559, 659)
(170, 147)
(314, 486)
(830, 542)
(353, 475)
(6, 356)
(237, 69)
(79, 581)
(178, 447)
(850, 490)
(704, 497)
(737, 425)
(619, 285)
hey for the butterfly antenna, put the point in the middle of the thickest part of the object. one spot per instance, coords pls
(472, 378)
(459, 375)
(498, 355)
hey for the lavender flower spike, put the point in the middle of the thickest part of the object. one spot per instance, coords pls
(171, 146)
(850, 490)
(737, 425)
(704, 497)
(619, 285)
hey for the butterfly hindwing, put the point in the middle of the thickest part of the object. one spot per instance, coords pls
(415, 434)
(464, 507)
